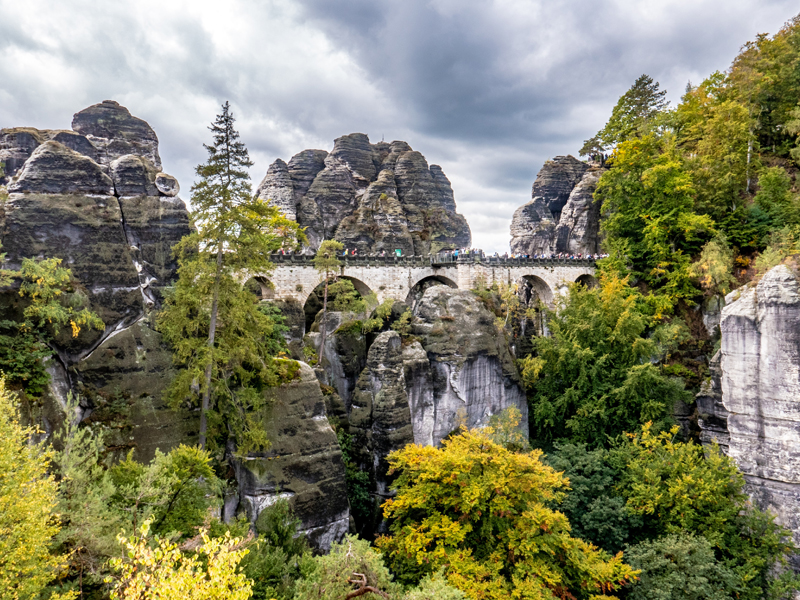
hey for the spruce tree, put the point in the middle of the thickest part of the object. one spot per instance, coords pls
(634, 112)
(222, 340)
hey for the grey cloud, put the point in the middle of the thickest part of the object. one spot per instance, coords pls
(487, 90)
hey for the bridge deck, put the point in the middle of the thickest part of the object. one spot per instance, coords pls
(437, 261)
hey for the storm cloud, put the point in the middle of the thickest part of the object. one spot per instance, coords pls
(488, 90)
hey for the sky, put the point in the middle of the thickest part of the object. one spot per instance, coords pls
(487, 89)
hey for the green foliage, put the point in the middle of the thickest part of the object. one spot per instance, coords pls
(683, 487)
(403, 324)
(651, 226)
(222, 339)
(783, 243)
(326, 259)
(332, 576)
(345, 297)
(22, 357)
(435, 587)
(362, 506)
(775, 201)
(273, 561)
(679, 567)
(479, 512)
(595, 378)
(50, 303)
(173, 493)
(596, 511)
(633, 115)
(714, 267)
(28, 521)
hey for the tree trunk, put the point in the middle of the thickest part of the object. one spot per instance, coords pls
(322, 322)
(212, 330)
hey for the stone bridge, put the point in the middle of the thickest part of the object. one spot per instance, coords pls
(397, 277)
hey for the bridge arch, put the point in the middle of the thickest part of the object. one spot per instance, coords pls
(314, 299)
(590, 281)
(261, 287)
(533, 288)
(423, 283)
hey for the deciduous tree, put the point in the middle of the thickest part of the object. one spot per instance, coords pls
(28, 521)
(480, 512)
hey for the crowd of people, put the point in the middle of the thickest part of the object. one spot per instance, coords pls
(475, 252)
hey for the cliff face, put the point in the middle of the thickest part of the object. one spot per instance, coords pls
(458, 371)
(96, 197)
(760, 384)
(303, 464)
(562, 215)
(371, 197)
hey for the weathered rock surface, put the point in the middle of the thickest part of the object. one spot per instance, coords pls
(277, 187)
(304, 463)
(93, 201)
(712, 415)
(472, 370)
(461, 372)
(115, 132)
(55, 169)
(371, 197)
(760, 389)
(562, 215)
(18, 143)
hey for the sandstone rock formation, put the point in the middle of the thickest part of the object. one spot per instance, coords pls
(760, 383)
(711, 412)
(371, 197)
(304, 463)
(562, 215)
(96, 198)
(458, 372)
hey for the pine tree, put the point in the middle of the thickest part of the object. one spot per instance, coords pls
(633, 112)
(220, 336)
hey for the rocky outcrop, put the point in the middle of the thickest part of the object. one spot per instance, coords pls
(303, 464)
(456, 370)
(472, 371)
(55, 169)
(760, 383)
(97, 199)
(371, 197)
(115, 132)
(562, 215)
(712, 416)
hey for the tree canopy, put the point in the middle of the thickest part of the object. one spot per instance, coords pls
(480, 512)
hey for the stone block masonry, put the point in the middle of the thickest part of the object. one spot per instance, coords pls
(294, 277)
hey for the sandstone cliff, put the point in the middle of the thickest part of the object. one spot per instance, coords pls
(562, 215)
(760, 385)
(303, 464)
(96, 197)
(371, 197)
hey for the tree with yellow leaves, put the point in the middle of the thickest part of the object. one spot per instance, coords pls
(49, 303)
(27, 500)
(481, 513)
(156, 569)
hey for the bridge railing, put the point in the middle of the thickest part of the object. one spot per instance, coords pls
(436, 260)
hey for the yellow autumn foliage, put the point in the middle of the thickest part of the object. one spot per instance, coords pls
(156, 569)
(482, 513)
(27, 499)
